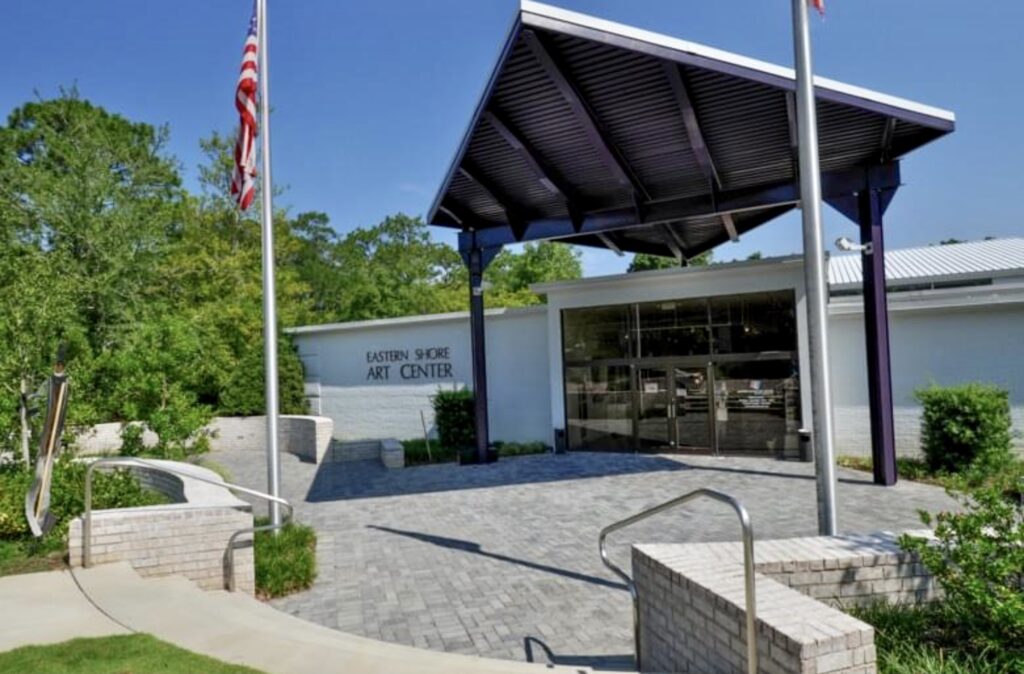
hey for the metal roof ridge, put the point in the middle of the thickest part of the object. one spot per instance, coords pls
(678, 44)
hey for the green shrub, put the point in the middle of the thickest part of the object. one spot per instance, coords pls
(965, 427)
(520, 448)
(285, 563)
(455, 419)
(922, 639)
(114, 489)
(416, 452)
(978, 560)
(131, 440)
(244, 393)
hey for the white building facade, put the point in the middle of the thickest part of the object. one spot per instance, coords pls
(699, 359)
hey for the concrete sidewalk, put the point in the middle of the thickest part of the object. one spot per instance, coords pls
(48, 608)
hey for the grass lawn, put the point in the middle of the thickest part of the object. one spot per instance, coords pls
(924, 640)
(123, 654)
(30, 556)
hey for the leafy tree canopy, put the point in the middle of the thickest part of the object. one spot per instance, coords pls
(645, 262)
(156, 292)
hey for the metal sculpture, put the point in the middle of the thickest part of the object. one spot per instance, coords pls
(37, 500)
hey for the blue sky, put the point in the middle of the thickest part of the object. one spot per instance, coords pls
(371, 98)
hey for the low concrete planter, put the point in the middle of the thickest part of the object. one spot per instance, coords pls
(389, 452)
(308, 437)
(692, 600)
(188, 537)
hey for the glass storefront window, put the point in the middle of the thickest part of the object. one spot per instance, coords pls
(753, 323)
(599, 407)
(595, 333)
(677, 328)
(694, 374)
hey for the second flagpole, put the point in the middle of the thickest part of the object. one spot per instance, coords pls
(269, 290)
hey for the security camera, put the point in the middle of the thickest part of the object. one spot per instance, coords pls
(846, 245)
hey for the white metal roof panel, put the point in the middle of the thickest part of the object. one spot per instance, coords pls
(972, 258)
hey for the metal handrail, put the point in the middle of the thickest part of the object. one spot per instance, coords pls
(748, 564)
(132, 461)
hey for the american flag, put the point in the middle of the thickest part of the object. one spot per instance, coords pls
(243, 181)
(819, 5)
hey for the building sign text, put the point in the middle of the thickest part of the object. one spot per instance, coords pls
(409, 364)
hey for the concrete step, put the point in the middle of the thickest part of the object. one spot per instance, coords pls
(237, 628)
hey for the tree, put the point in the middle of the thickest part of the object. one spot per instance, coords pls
(646, 262)
(87, 201)
(511, 274)
(756, 255)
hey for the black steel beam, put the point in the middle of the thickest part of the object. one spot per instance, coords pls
(876, 332)
(584, 114)
(835, 184)
(887, 136)
(700, 149)
(674, 242)
(476, 175)
(546, 174)
(742, 227)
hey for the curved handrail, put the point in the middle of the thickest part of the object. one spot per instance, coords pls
(748, 563)
(132, 461)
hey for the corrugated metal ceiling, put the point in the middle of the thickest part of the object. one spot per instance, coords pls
(595, 117)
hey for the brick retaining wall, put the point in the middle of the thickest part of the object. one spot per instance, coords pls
(188, 537)
(692, 603)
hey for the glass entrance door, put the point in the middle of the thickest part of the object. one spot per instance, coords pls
(690, 418)
(654, 408)
(672, 408)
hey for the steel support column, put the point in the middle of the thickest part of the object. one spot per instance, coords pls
(871, 205)
(477, 259)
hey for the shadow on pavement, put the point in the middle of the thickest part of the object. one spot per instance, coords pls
(796, 476)
(608, 663)
(474, 548)
(338, 481)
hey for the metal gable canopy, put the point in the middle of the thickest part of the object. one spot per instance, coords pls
(600, 134)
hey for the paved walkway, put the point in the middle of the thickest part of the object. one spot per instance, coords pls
(501, 560)
(54, 606)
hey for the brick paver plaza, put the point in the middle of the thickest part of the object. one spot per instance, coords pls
(501, 560)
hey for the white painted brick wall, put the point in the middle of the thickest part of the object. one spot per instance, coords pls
(163, 541)
(188, 537)
(692, 603)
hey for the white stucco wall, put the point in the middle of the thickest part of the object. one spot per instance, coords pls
(367, 403)
(943, 338)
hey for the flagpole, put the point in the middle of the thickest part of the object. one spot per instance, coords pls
(269, 296)
(814, 272)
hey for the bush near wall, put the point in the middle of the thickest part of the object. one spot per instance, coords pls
(455, 419)
(977, 558)
(285, 560)
(965, 427)
(20, 552)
